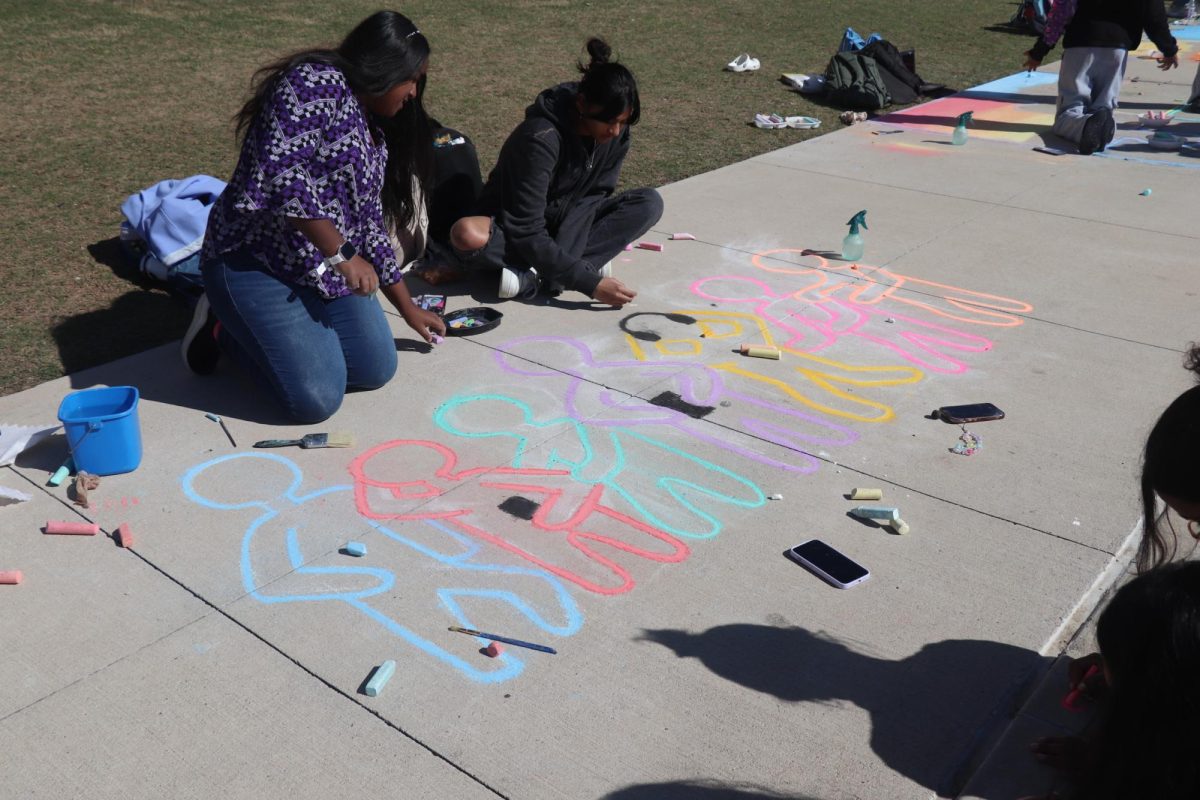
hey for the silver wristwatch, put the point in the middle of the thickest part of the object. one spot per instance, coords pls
(344, 253)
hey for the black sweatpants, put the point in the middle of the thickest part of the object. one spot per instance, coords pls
(596, 230)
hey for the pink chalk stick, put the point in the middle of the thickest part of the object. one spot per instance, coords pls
(650, 246)
(124, 535)
(10, 576)
(492, 650)
(73, 528)
(628, 247)
(687, 236)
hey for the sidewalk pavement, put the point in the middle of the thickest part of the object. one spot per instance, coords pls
(599, 481)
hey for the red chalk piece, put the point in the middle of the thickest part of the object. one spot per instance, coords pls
(73, 528)
(650, 246)
(10, 576)
(124, 535)
(492, 650)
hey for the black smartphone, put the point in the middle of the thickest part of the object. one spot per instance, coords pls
(974, 412)
(828, 564)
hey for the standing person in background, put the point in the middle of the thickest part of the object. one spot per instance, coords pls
(548, 218)
(1098, 37)
(334, 142)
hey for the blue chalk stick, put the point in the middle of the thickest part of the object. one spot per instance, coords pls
(355, 549)
(213, 417)
(890, 513)
(61, 473)
(383, 674)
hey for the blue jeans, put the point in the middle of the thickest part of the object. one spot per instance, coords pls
(310, 351)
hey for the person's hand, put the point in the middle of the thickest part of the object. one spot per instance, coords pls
(1077, 675)
(1031, 63)
(1168, 62)
(360, 275)
(612, 292)
(425, 323)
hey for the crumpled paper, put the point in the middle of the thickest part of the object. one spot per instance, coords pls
(16, 439)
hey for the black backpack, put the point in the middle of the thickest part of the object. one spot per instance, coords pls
(903, 85)
(852, 80)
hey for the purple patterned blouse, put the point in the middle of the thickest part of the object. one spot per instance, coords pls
(310, 154)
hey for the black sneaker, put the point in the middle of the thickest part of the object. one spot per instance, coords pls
(521, 283)
(1092, 137)
(199, 349)
(1110, 129)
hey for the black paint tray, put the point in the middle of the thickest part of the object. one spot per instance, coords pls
(485, 319)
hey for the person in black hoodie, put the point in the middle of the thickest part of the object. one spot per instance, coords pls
(1099, 36)
(548, 218)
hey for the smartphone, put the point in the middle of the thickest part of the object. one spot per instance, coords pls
(431, 302)
(828, 564)
(975, 412)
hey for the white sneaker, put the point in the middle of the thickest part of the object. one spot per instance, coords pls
(518, 283)
(606, 270)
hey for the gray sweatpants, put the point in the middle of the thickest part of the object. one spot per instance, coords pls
(1088, 80)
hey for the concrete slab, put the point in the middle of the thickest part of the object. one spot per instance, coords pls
(84, 603)
(211, 711)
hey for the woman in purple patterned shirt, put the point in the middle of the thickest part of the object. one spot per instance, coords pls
(335, 145)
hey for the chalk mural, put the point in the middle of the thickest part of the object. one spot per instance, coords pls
(549, 485)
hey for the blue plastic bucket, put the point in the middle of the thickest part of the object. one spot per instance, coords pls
(102, 429)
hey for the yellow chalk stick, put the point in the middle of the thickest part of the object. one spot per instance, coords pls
(760, 351)
(899, 526)
(866, 494)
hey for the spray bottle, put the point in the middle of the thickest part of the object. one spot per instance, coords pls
(960, 133)
(852, 245)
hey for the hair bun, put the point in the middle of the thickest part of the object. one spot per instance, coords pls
(599, 51)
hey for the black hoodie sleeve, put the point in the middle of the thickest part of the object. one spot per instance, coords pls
(529, 158)
(1159, 29)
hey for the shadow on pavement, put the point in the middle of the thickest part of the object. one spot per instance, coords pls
(699, 790)
(930, 712)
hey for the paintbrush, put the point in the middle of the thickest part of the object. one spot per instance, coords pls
(311, 440)
(505, 639)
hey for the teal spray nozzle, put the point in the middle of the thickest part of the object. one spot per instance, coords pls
(852, 245)
(960, 132)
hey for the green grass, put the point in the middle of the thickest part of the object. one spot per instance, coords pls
(102, 99)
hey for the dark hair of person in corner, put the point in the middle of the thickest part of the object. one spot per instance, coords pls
(383, 51)
(1171, 471)
(607, 85)
(1149, 636)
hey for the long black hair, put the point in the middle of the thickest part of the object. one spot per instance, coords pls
(384, 50)
(1149, 637)
(608, 85)
(1170, 467)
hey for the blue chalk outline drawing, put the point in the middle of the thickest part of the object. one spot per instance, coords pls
(511, 665)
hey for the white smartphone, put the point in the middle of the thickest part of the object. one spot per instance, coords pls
(828, 564)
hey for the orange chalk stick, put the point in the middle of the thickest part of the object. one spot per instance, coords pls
(124, 535)
(10, 576)
(72, 528)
